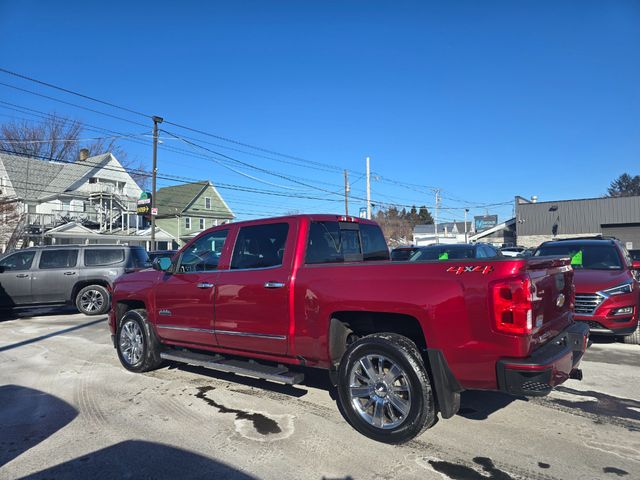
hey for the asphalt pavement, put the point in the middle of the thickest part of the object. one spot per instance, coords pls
(69, 410)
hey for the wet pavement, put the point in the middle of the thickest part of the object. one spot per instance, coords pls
(69, 410)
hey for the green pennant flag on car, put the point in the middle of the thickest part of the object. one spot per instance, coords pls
(576, 258)
(443, 256)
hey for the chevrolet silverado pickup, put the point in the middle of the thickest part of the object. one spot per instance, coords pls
(400, 340)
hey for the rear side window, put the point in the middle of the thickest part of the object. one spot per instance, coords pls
(260, 246)
(331, 242)
(58, 258)
(103, 257)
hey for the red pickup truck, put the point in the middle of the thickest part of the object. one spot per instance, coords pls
(400, 340)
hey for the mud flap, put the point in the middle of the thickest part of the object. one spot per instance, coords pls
(447, 388)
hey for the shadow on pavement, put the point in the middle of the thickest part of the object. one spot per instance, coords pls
(52, 334)
(30, 312)
(140, 459)
(479, 405)
(27, 417)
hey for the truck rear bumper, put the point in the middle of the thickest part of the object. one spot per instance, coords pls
(547, 367)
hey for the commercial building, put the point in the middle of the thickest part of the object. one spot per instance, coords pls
(537, 222)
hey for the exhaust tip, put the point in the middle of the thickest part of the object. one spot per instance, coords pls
(576, 374)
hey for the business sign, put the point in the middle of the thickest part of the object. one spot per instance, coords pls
(485, 222)
(144, 204)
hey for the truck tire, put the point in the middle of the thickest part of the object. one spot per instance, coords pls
(384, 389)
(93, 300)
(634, 338)
(136, 342)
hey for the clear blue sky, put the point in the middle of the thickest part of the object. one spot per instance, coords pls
(485, 100)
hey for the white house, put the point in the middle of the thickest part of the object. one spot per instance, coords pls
(95, 194)
(448, 232)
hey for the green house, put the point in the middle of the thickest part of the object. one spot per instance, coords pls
(186, 210)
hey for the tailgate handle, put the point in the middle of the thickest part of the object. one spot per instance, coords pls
(273, 284)
(205, 285)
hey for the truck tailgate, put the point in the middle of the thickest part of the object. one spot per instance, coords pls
(552, 295)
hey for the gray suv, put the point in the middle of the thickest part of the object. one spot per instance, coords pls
(66, 274)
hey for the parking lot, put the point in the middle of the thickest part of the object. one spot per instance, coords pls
(68, 409)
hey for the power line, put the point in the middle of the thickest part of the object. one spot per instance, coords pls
(307, 162)
(71, 92)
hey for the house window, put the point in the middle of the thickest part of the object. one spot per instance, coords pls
(93, 180)
(187, 223)
(207, 203)
(202, 224)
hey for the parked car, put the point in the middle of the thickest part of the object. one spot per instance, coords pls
(513, 251)
(400, 340)
(161, 253)
(635, 255)
(456, 251)
(607, 291)
(66, 274)
(402, 254)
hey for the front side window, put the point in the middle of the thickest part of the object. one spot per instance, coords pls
(18, 261)
(260, 246)
(58, 258)
(204, 254)
(103, 257)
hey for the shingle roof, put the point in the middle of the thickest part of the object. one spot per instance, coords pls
(34, 179)
(71, 173)
(176, 199)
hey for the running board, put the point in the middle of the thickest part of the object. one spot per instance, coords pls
(248, 368)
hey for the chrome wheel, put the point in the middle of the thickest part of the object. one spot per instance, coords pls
(91, 301)
(131, 342)
(380, 391)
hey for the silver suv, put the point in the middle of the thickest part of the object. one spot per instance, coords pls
(66, 274)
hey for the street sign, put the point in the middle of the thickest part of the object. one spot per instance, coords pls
(144, 204)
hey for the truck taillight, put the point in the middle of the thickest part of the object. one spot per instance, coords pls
(512, 306)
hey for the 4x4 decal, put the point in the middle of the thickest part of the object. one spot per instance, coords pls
(484, 269)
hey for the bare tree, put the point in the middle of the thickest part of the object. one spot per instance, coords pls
(60, 138)
(10, 217)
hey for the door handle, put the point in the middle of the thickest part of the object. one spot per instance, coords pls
(69, 273)
(22, 275)
(273, 284)
(205, 285)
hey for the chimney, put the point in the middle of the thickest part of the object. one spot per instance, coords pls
(84, 154)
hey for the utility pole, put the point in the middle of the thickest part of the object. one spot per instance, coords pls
(368, 191)
(435, 217)
(154, 171)
(466, 240)
(346, 192)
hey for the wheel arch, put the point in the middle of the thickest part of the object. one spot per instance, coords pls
(125, 305)
(346, 326)
(86, 283)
